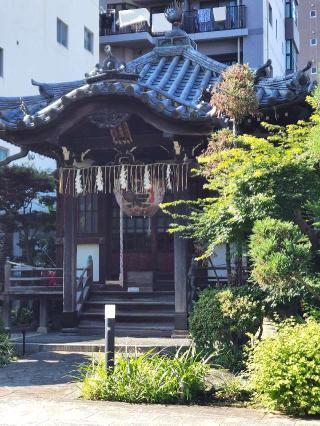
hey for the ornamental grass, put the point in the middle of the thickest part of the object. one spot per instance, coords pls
(152, 377)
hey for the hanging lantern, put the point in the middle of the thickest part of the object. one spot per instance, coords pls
(141, 204)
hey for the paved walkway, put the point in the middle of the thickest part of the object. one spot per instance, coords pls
(62, 342)
(38, 390)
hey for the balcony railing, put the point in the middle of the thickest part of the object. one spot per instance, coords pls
(216, 19)
(194, 21)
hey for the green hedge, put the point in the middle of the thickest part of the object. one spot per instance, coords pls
(285, 369)
(221, 320)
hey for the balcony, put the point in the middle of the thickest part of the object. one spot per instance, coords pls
(139, 26)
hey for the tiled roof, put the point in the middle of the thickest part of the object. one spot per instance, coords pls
(171, 80)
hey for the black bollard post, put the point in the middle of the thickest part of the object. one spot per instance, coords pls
(23, 342)
(110, 315)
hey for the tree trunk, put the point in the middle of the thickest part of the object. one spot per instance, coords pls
(234, 127)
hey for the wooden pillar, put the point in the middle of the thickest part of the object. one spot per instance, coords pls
(43, 315)
(180, 285)
(6, 308)
(70, 318)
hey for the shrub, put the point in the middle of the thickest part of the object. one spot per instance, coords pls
(281, 258)
(221, 319)
(311, 312)
(285, 369)
(147, 378)
(23, 316)
(233, 390)
(6, 349)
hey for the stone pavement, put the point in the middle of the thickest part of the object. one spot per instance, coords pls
(61, 342)
(38, 390)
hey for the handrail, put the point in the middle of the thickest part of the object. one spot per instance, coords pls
(26, 267)
(84, 283)
(18, 275)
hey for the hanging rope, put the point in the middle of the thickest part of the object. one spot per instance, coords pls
(138, 178)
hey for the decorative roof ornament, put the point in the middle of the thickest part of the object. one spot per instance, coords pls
(174, 14)
(25, 111)
(110, 62)
(111, 69)
(176, 37)
(24, 108)
(107, 119)
(263, 72)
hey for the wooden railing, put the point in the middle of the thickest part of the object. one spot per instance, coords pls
(201, 276)
(18, 276)
(84, 283)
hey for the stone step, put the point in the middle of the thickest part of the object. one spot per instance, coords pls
(91, 342)
(137, 316)
(131, 329)
(129, 306)
(110, 297)
(103, 289)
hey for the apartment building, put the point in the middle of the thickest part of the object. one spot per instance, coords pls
(309, 28)
(44, 40)
(229, 31)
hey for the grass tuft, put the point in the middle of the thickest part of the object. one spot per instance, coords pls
(152, 377)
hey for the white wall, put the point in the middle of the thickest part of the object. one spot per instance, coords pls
(274, 44)
(83, 252)
(28, 36)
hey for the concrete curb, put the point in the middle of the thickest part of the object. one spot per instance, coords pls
(31, 348)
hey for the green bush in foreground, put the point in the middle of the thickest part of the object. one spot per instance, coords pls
(220, 321)
(285, 369)
(147, 378)
(233, 390)
(6, 349)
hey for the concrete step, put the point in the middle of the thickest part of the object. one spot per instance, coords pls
(90, 342)
(132, 329)
(104, 297)
(164, 285)
(136, 316)
(130, 306)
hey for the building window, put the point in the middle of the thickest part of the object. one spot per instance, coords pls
(1, 62)
(62, 33)
(3, 153)
(291, 9)
(291, 56)
(270, 15)
(88, 214)
(314, 70)
(313, 42)
(313, 13)
(88, 39)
